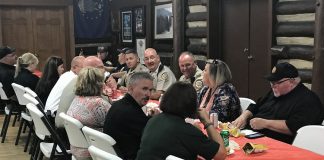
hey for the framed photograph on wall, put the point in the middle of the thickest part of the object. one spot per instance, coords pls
(139, 20)
(163, 21)
(126, 26)
(140, 48)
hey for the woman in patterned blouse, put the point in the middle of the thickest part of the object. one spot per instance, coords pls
(219, 95)
(88, 106)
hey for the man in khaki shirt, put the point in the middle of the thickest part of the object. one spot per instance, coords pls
(191, 72)
(163, 76)
(134, 65)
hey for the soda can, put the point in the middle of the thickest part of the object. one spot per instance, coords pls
(214, 119)
(225, 135)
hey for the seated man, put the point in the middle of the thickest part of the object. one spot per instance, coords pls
(191, 72)
(163, 76)
(285, 109)
(134, 65)
(125, 120)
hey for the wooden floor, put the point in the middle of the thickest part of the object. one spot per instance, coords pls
(8, 149)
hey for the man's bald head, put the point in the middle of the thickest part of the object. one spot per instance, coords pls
(93, 61)
(77, 64)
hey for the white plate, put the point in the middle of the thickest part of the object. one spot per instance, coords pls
(231, 151)
(247, 132)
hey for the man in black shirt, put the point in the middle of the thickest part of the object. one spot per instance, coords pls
(289, 106)
(7, 70)
(125, 120)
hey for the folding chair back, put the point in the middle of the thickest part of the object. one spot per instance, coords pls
(99, 140)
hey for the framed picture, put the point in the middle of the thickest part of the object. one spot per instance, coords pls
(140, 48)
(126, 26)
(163, 21)
(139, 19)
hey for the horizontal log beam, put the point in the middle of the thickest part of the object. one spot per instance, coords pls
(293, 52)
(198, 16)
(197, 48)
(295, 29)
(305, 75)
(295, 7)
(198, 32)
(197, 2)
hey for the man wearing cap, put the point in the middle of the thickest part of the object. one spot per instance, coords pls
(163, 76)
(102, 53)
(191, 72)
(134, 65)
(7, 70)
(289, 106)
(121, 68)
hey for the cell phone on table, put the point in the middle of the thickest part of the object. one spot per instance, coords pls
(254, 135)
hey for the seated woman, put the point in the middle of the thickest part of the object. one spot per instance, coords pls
(219, 95)
(51, 73)
(168, 133)
(25, 66)
(88, 106)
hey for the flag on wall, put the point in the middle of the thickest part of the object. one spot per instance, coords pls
(91, 19)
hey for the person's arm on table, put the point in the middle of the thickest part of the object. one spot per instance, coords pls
(241, 121)
(212, 134)
(274, 125)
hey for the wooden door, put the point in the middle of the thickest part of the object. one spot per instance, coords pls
(49, 33)
(38, 30)
(17, 30)
(246, 44)
(236, 42)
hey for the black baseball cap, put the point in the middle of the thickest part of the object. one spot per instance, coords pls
(5, 50)
(282, 70)
(123, 50)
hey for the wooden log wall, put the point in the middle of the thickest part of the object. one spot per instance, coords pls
(294, 28)
(196, 26)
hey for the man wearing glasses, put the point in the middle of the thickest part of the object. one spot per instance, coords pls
(289, 106)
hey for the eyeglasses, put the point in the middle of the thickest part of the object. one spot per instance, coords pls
(279, 82)
(213, 61)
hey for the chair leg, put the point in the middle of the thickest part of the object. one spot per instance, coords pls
(5, 129)
(25, 126)
(19, 130)
(33, 145)
(4, 124)
(14, 121)
(53, 151)
(28, 138)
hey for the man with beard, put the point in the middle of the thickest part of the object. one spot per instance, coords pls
(286, 108)
(163, 76)
(125, 121)
(191, 72)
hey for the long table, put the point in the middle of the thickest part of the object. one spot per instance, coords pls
(277, 150)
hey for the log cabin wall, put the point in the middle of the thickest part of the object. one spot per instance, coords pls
(294, 35)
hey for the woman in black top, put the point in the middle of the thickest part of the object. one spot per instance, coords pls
(25, 66)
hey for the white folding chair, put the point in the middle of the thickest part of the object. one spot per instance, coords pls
(99, 140)
(73, 128)
(26, 118)
(98, 154)
(245, 102)
(44, 130)
(9, 110)
(171, 157)
(308, 137)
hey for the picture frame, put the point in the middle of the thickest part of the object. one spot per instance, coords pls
(126, 26)
(140, 48)
(163, 21)
(139, 20)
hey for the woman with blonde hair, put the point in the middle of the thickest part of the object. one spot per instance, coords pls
(25, 66)
(88, 106)
(219, 95)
